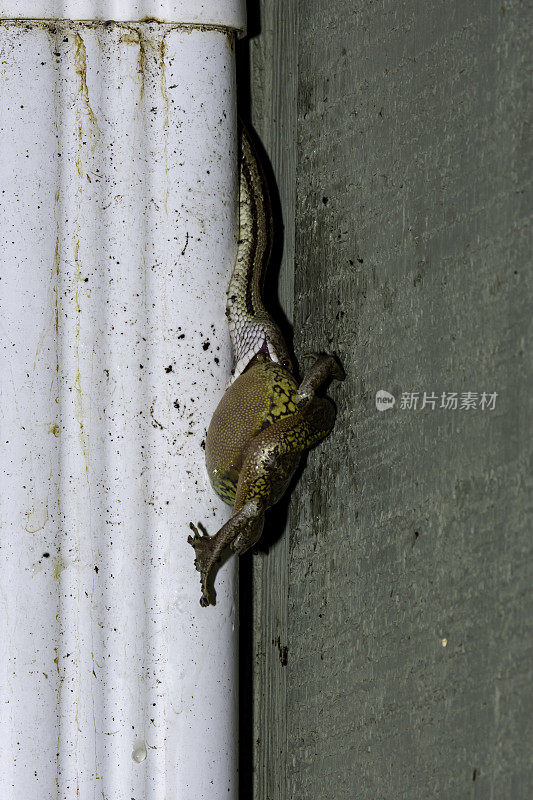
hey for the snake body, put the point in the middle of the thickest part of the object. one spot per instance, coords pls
(265, 419)
(251, 327)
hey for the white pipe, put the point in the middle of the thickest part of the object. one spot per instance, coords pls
(118, 217)
(224, 13)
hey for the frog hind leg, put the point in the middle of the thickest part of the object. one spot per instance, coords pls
(239, 533)
(273, 455)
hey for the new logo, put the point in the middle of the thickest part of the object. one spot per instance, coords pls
(384, 400)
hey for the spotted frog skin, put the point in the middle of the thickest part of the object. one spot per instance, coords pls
(258, 433)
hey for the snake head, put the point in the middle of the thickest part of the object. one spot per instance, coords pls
(257, 338)
(275, 349)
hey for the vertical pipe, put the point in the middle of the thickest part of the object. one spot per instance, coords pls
(117, 203)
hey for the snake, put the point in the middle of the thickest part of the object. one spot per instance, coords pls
(252, 329)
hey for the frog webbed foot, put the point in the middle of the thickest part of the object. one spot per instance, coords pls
(323, 369)
(206, 558)
(239, 533)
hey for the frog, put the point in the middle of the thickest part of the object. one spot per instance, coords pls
(259, 431)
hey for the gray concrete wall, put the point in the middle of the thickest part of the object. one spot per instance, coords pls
(397, 130)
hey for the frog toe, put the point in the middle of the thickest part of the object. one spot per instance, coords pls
(337, 370)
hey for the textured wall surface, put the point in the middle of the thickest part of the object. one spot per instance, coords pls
(393, 639)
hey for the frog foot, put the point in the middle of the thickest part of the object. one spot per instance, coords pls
(206, 558)
(324, 368)
(239, 533)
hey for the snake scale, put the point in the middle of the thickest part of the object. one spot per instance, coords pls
(265, 420)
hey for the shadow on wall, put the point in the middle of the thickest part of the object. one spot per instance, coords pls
(277, 516)
(246, 653)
